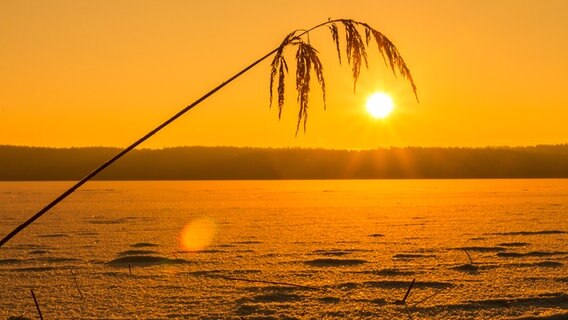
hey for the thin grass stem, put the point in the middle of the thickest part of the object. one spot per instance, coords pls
(408, 291)
(76, 284)
(469, 256)
(37, 305)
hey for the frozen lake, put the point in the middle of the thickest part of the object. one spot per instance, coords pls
(487, 249)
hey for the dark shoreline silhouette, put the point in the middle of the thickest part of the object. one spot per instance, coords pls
(231, 163)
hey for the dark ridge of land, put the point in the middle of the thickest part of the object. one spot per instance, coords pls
(231, 163)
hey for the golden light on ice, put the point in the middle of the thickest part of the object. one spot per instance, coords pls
(198, 234)
(379, 105)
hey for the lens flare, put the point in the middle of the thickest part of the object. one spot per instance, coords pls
(198, 234)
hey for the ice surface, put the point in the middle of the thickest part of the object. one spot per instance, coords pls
(485, 249)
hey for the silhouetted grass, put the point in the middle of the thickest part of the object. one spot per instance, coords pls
(37, 305)
(306, 59)
(76, 283)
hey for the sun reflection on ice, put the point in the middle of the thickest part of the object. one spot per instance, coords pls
(198, 234)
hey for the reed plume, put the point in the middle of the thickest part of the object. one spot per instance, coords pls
(358, 37)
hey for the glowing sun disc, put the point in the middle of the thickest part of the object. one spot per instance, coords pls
(379, 105)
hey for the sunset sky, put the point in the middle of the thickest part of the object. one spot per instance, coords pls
(102, 73)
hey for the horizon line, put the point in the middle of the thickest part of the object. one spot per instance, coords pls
(291, 147)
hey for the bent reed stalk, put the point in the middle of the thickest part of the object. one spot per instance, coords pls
(306, 60)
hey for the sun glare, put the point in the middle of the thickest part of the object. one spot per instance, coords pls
(379, 105)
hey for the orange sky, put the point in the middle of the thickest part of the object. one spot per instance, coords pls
(92, 73)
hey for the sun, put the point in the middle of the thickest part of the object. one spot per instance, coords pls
(379, 105)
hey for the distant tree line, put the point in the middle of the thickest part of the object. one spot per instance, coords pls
(231, 163)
